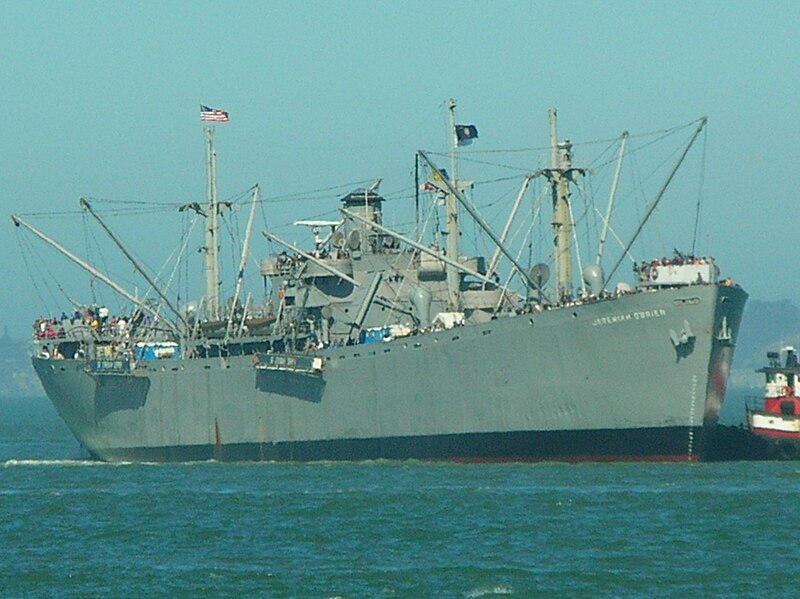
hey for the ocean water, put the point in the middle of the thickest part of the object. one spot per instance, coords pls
(75, 528)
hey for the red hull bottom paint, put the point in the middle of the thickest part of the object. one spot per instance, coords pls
(768, 432)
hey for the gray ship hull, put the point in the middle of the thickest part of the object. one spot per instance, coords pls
(595, 381)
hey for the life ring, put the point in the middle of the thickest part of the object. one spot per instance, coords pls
(653, 273)
(787, 391)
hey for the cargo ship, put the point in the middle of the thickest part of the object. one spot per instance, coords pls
(375, 344)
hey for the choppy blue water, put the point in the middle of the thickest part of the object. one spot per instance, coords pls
(72, 528)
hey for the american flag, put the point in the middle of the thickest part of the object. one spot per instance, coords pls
(213, 114)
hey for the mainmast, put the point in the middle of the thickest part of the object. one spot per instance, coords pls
(453, 274)
(212, 232)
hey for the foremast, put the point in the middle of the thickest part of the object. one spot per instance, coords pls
(560, 174)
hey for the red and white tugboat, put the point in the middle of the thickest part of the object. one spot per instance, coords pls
(778, 420)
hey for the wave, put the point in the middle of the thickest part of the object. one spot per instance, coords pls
(488, 591)
(57, 462)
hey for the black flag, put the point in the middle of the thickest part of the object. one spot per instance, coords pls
(465, 134)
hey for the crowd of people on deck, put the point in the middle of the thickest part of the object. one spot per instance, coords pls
(48, 329)
(648, 271)
(99, 319)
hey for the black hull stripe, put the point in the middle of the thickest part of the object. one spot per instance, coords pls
(657, 444)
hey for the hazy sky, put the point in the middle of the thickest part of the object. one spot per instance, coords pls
(101, 101)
